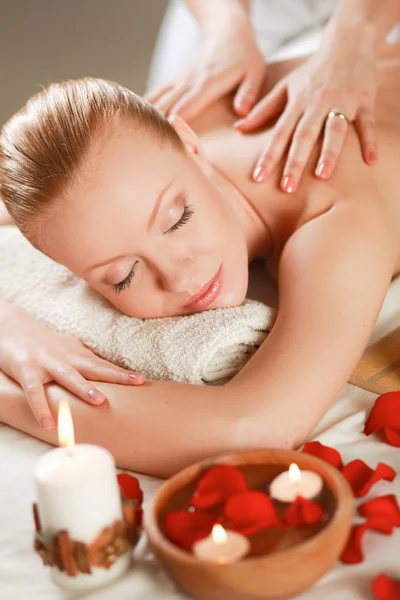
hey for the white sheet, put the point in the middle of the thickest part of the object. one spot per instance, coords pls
(22, 574)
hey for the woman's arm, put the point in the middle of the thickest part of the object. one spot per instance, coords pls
(157, 428)
(333, 276)
(370, 19)
(214, 15)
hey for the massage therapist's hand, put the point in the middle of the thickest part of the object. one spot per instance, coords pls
(339, 79)
(226, 58)
(33, 355)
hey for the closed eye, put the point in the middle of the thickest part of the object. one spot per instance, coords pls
(185, 218)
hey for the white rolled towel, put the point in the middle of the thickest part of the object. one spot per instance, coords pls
(208, 347)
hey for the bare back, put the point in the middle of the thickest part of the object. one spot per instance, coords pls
(235, 154)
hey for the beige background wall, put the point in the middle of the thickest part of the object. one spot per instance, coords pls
(49, 40)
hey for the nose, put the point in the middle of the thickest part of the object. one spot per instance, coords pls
(180, 277)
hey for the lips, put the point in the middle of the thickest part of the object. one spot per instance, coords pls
(207, 294)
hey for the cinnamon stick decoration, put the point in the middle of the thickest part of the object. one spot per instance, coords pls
(36, 517)
(65, 548)
(82, 558)
(76, 557)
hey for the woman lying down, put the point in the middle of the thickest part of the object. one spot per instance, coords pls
(163, 219)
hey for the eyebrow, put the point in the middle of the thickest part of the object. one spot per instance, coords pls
(150, 224)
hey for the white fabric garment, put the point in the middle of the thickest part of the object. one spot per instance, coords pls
(208, 347)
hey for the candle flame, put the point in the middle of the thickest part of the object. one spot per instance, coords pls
(65, 426)
(294, 473)
(218, 534)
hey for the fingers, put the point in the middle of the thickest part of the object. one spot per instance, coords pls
(270, 106)
(277, 143)
(334, 136)
(195, 100)
(202, 93)
(156, 94)
(29, 378)
(304, 139)
(247, 93)
(102, 370)
(366, 128)
(167, 100)
(73, 381)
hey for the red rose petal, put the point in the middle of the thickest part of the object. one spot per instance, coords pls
(303, 512)
(250, 511)
(352, 552)
(131, 490)
(385, 588)
(330, 455)
(130, 487)
(217, 485)
(392, 436)
(384, 506)
(385, 417)
(184, 528)
(361, 477)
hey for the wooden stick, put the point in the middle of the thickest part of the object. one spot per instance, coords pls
(36, 517)
(64, 545)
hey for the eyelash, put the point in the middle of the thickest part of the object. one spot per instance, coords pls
(186, 215)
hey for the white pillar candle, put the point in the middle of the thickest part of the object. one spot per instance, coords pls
(222, 546)
(294, 482)
(77, 490)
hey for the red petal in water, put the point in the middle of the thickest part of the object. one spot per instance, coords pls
(216, 485)
(361, 477)
(330, 455)
(303, 512)
(385, 588)
(385, 417)
(250, 511)
(184, 528)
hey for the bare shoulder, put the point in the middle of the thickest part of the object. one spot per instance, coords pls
(357, 228)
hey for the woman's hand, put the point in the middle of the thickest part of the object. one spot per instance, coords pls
(225, 59)
(33, 355)
(339, 78)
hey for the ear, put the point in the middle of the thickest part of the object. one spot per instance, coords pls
(191, 142)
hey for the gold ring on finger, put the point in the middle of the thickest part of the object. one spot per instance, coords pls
(334, 113)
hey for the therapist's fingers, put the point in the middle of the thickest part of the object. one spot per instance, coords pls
(248, 92)
(267, 108)
(303, 142)
(205, 90)
(30, 379)
(334, 136)
(165, 102)
(366, 128)
(277, 143)
(195, 100)
(154, 95)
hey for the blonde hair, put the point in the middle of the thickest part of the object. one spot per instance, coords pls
(45, 143)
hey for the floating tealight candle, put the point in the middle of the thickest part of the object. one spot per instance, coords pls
(222, 546)
(294, 482)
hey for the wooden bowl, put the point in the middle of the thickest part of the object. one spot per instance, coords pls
(282, 562)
